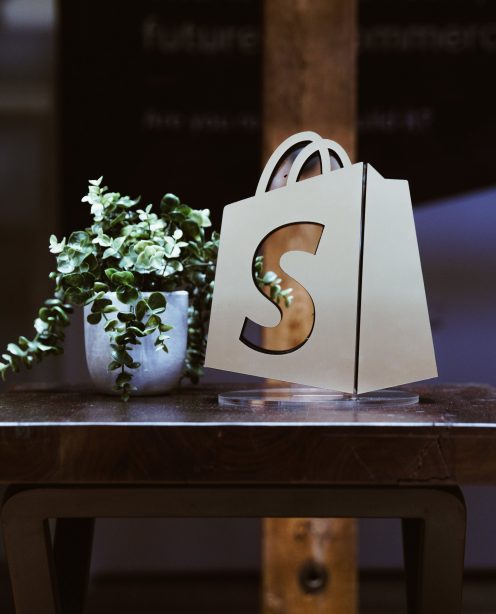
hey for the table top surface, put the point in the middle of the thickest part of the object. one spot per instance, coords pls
(185, 437)
(455, 406)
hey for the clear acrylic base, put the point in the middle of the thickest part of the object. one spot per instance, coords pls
(305, 396)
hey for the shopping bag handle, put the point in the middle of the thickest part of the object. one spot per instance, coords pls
(312, 143)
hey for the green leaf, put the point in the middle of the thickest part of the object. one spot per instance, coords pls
(65, 264)
(122, 277)
(45, 314)
(122, 357)
(60, 313)
(23, 343)
(100, 304)
(111, 325)
(118, 242)
(141, 309)
(52, 302)
(153, 322)
(78, 297)
(169, 202)
(110, 272)
(55, 246)
(74, 280)
(127, 262)
(269, 277)
(40, 326)
(14, 363)
(49, 349)
(118, 220)
(90, 263)
(109, 253)
(109, 309)
(78, 238)
(201, 218)
(118, 356)
(127, 294)
(103, 240)
(192, 230)
(157, 302)
(79, 280)
(123, 378)
(97, 210)
(94, 318)
(15, 350)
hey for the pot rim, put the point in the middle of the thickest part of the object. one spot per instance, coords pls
(148, 292)
(181, 295)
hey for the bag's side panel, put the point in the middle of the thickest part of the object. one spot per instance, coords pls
(330, 276)
(395, 334)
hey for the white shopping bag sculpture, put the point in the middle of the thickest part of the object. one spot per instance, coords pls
(371, 325)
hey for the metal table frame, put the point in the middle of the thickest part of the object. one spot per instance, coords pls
(51, 578)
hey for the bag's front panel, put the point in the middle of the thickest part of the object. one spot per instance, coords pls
(330, 276)
(395, 335)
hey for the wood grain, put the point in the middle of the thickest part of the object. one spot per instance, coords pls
(310, 70)
(185, 437)
(310, 565)
(309, 84)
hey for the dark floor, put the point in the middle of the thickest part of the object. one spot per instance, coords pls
(380, 593)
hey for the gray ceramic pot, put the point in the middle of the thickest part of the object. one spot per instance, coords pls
(159, 371)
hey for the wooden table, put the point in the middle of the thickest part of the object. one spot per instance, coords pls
(69, 437)
(240, 462)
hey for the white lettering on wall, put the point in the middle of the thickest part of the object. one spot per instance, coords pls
(451, 38)
(158, 120)
(198, 39)
(411, 120)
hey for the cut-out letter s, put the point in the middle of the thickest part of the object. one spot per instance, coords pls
(301, 293)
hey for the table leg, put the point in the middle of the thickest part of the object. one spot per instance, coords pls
(413, 530)
(434, 550)
(72, 553)
(29, 555)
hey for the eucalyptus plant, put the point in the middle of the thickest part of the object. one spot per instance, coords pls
(132, 251)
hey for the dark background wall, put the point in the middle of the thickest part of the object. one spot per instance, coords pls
(166, 96)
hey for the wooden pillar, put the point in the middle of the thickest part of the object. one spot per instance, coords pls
(309, 84)
(309, 566)
(310, 70)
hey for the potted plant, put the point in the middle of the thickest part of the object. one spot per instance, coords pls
(145, 279)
